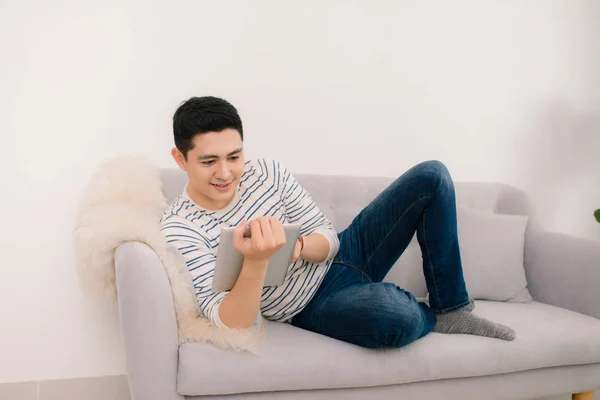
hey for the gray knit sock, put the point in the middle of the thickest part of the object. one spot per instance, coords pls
(462, 321)
(471, 306)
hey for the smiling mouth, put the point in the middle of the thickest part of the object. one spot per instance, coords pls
(223, 185)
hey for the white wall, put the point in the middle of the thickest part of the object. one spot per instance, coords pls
(498, 90)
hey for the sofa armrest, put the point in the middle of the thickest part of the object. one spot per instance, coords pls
(563, 271)
(148, 323)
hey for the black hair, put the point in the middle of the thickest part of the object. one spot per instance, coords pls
(201, 115)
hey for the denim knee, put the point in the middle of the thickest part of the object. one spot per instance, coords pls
(436, 172)
(433, 169)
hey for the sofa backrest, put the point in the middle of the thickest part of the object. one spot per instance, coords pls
(342, 197)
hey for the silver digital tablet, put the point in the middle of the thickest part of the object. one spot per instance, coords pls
(229, 261)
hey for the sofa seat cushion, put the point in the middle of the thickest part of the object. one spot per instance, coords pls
(293, 359)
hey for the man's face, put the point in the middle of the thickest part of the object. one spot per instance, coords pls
(214, 167)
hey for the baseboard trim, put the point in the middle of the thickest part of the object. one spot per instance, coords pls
(92, 388)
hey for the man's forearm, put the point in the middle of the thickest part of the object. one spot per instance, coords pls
(316, 248)
(241, 305)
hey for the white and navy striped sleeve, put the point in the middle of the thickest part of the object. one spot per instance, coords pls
(200, 259)
(300, 208)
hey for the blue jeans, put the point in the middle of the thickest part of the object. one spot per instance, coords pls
(353, 304)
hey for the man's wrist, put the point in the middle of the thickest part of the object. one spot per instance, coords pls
(254, 270)
(316, 248)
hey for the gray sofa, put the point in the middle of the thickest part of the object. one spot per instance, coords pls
(557, 349)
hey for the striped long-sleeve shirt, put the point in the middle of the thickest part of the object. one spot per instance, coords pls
(266, 189)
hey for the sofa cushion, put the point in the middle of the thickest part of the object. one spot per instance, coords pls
(293, 358)
(491, 247)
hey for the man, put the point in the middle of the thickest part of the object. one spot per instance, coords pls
(334, 285)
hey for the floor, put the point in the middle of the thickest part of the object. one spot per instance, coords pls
(103, 388)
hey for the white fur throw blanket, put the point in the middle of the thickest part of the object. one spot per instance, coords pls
(123, 203)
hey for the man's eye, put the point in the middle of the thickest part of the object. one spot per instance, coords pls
(234, 158)
(208, 162)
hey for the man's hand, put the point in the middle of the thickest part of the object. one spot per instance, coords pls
(296, 254)
(267, 236)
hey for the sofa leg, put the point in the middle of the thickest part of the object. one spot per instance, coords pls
(583, 396)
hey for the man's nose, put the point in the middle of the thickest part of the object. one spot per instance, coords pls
(223, 171)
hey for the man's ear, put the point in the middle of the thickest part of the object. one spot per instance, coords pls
(179, 158)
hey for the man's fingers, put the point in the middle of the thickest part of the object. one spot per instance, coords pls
(239, 241)
(256, 234)
(265, 226)
(238, 232)
(277, 229)
(267, 236)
